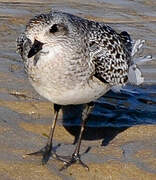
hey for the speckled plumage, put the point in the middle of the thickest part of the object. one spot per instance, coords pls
(77, 56)
(70, 60)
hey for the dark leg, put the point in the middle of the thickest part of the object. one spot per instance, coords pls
(76, 155)
(47, 151)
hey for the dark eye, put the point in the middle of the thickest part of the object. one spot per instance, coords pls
(54, 28)
(58, 29)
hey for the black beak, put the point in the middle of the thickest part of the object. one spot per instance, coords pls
(36, 47)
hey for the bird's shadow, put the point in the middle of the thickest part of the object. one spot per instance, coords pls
(112, 114)
(95, 133)
(93, 129)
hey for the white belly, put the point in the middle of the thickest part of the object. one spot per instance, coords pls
(80, 94)
(57, 79)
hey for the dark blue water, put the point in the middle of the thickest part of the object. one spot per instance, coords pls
(133, 106)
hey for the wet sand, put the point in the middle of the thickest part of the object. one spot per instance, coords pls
(115, 152)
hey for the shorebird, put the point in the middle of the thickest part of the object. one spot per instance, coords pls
(70, 60)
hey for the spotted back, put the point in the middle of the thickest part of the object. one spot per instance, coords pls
(110, 54)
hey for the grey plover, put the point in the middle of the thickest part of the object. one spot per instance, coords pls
(71, 60)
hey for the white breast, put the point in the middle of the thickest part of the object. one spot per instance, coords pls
(51, 79)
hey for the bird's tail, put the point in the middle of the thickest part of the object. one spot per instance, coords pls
(135, 75)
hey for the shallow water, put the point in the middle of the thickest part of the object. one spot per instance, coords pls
(137, 106)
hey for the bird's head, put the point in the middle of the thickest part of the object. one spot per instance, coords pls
(49, 30)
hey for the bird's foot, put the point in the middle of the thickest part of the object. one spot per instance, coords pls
(46, 152)
(72, 160)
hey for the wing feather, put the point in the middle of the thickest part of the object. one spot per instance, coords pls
(110, 53)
